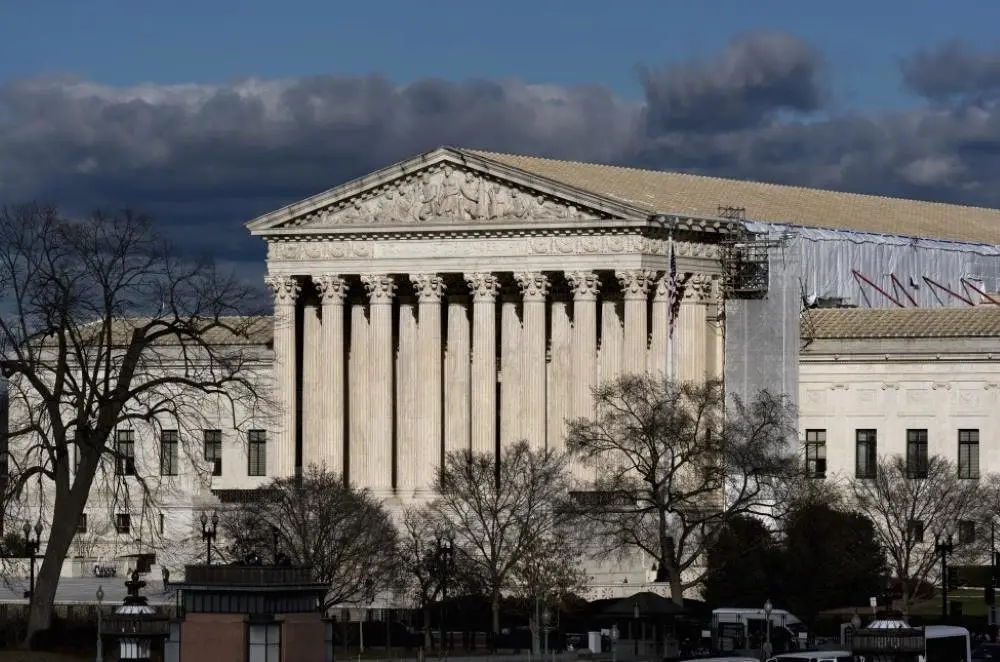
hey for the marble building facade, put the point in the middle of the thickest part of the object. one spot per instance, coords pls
(450, 302)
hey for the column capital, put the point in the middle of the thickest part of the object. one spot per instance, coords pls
(429, 287)
(586, 285)
(635, 282)
(697, 288)
(534, 285)
(484, 286)
(332, 288)
(285, 289)
(380, 288)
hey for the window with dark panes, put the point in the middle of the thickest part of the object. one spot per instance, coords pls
(915, 529)
(169, 452)
(81, 526)
(968, 454)
(816, 453)
(213, 450)
(966, 532)
(125, 452)
(916, 453)
(865, 453)
(123, 523)
(257, 453)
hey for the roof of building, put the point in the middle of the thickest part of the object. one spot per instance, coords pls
(661, 192)
(247, 330)
(875, 323)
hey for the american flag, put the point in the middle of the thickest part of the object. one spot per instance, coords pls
(673, 295)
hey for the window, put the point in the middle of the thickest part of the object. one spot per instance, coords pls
(866, 453)
(213, 450)
(264, 642)
(123, 523)
(168, 452)
(968, 454)
(916, 453)
(257, 453)
(915, 530)
(162, 523)
(966, 532)
(816, 453)
(81, 526)
(125, 452)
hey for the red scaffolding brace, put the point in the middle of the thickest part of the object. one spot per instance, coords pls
(860, 277)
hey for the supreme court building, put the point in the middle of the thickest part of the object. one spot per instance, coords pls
(467, 300)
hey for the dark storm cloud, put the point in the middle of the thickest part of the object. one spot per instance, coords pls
(205, 158)
(953, 70)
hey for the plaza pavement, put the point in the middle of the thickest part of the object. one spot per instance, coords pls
(83, 590)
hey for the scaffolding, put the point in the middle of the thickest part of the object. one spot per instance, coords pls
(745, 258)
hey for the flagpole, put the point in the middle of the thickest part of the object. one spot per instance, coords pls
(671, 307)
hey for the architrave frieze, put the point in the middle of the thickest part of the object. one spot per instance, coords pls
(458, 251)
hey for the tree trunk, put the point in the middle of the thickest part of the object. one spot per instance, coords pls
(64, 523)
(427, 627)
(495, 610)
(676, 586)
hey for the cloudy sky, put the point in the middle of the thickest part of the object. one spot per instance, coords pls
(209, 112)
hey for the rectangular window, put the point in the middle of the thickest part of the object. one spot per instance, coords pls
(162, 523)
(966, 532)
(123, 523)
(257, 453)
(915, 530)
(81, 526)
(916, 453)
(968, 454)
(866, 453)
(212, 442)
(816, 453)
(169, 452)
(264, 642)
(125, 452)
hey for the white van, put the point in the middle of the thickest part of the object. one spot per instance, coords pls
(813, 656)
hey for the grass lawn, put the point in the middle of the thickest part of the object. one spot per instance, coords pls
(972, 601)
(33, 656)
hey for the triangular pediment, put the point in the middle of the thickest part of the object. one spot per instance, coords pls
(445, 186)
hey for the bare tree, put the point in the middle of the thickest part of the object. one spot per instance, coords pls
(344, 534)
(907, 505)
(104, 327)
(672, 468)
(417, 548)
(498, 512)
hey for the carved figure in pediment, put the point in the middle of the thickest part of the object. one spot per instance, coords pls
(354, 212)
(497, 200)
(551, 209)
(451, 192)
(473, 200)
(430, 194)
(406, 203)
(520, 205)
(387, 207)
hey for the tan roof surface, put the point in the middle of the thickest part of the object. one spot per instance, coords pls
(677, 193)
(869, 323)
(229, 331)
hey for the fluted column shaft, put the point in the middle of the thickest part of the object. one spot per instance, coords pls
(511, 349)
(659, 332)
(534, 290)
(586, 286)
(483, 414)
(311, 418)
(635, 291)
(457, 378)
(332, 290)
(281, 463)
(429, 289)
(408, 385)
(692, 329)
(377, 460)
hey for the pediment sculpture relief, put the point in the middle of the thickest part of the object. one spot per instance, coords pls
(447, 194)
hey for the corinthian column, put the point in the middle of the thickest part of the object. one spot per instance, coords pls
(456, 374)
(534, 290)
(286, 290)
(635, 292)
(586, 286)
(377, 459)
(429, 289)
(332, 291)
(692, 343)
(484, 287)
(660, 329)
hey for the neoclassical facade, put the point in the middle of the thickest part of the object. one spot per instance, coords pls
(455, 302)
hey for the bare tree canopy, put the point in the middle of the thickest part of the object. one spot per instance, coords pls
(344, 534)
(102, 326)
(672, 468)
(499, 514)
(908, 509)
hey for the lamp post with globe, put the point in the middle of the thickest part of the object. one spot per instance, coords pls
(31, 547)
(768, 608)
(546, 621)
(100, 643)
(208, 534)
(614, 643)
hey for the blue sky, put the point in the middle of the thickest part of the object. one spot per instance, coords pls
(206, 114)
(125, 42)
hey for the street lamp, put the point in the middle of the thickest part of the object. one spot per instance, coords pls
(638, 633)
(944, 545)
(546, 619)
(208, 534)
(768, 608)
(856, 620)
(100, 643)
(614, 643)
(31, 548)
(444, 567)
